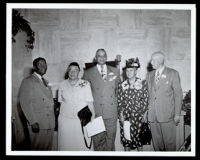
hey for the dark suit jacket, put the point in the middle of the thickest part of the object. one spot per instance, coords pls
(165, 98)
(36, 101)
(104, 93)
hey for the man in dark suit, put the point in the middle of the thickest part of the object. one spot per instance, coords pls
(104, 81)
(165, 100)
(36, 101)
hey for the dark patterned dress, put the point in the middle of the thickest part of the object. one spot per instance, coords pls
(132, 102)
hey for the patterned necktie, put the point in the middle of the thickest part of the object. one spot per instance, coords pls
(157, 78)
(102, 74)
(44, 82)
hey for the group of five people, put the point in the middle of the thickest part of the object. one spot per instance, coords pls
(156, 100)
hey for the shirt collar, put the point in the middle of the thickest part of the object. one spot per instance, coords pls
(39, 76)
(104, 68)
(160, 70)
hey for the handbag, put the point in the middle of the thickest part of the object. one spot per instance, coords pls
(85, 117)
(145, 134)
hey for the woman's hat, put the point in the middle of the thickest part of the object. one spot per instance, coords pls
(132, 63)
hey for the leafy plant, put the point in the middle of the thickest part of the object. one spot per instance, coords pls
(187, 107)
(20, 24)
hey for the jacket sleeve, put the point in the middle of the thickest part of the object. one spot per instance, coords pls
(178, 94)
(26, 100)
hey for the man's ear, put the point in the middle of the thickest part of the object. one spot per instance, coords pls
(34, 68)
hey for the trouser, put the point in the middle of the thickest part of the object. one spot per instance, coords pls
(105, 141)
(163, 135)
(42, 140)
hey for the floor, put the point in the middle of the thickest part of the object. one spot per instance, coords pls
(118, 145)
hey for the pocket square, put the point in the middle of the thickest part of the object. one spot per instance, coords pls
(167, 82)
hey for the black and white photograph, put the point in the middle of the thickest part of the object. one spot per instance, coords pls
(100, 79)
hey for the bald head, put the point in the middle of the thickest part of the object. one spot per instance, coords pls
(157, 59)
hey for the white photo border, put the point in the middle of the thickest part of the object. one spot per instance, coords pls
(10, 6)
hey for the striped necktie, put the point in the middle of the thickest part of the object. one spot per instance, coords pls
(102, 74)
(44, 82)
(157, 78)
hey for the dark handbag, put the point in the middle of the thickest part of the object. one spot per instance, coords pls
(85, 117)
(145, 134)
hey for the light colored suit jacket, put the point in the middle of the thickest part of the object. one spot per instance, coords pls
(165, 98)
(104, 93)
(36, 102)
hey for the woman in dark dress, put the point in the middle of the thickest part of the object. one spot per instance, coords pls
(132, 105)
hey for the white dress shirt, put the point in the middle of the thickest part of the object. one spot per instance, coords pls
(104, 72)
(160, 70)
(39, 76)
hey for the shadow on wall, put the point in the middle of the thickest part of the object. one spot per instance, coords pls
(27, 72)
(25, 144)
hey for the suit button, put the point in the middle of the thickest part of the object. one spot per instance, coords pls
(155, 97)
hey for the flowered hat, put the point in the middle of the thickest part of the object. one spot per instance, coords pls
(132, 63)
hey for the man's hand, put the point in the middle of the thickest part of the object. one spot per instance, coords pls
(176, 120)
(35, 127)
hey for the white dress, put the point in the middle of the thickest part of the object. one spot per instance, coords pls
(73, 99)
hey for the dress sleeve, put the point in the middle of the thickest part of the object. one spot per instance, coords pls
(145, 96)
(120, 99)
(88, 92)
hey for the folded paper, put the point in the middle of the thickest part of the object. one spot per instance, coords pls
(96, 126)
(126, 128)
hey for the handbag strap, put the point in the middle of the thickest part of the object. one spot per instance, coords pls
(85, 139)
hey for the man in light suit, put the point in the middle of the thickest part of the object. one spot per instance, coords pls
(165, 100)
(37, 104)
(104, 81)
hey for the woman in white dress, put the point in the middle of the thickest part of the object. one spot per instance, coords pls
(73, 94)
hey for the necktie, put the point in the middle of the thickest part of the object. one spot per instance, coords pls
(157, 77)
(44, 82)
(102, 74)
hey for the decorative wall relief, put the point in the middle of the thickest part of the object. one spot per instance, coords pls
(20, 24)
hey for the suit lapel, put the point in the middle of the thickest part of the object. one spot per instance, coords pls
(98, 74)
(162, 79)
(46, 90)
(108, 70)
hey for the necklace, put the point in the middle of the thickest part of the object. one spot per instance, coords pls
(73, 82)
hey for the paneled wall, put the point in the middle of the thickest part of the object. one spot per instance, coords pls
(69, 35)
